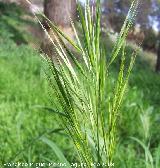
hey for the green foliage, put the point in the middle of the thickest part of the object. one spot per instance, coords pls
(57, 151)
(26, 118)
(13, 23)
(23, 87)
(22, 83)
(91, 107)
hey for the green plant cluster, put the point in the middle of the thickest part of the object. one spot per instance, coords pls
(30, 129)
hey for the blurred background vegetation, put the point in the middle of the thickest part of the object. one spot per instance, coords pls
(23, 87)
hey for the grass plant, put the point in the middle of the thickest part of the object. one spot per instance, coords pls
(87, 106)
(31, 134)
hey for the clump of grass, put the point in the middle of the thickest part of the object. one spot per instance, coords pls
(151, 158)
(88, 107)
